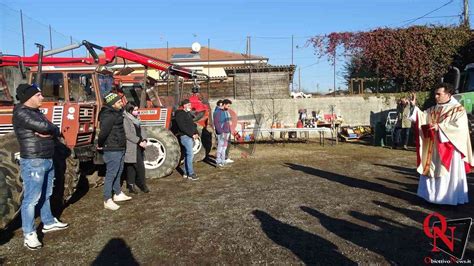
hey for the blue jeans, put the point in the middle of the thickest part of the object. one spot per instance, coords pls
(400, 136)
(38, 179)
(188, 144)
(114, 164)
(222, 142)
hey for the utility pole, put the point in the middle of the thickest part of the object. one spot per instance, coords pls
(249, 53)
(209, 67)
(299, 79)
(50, 38)
(22, 31)
(334, 64)
(72, 50)
(466, 14)
(292, 53)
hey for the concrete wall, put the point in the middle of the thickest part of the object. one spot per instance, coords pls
(355, 110)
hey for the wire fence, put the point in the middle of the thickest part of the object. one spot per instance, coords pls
(19, 32)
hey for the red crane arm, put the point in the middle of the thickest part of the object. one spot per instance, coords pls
(112, 52)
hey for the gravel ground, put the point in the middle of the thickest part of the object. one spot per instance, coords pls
(296, 203)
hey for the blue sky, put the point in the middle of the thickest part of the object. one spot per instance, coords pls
(147, 24)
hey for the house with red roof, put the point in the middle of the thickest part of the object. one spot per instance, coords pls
(231, 75)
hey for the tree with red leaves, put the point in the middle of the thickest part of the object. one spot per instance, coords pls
(412, 58)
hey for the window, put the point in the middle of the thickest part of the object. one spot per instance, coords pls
(132, 93)
(106, 84)
(52, 86)
(81, 87)
(4, 93)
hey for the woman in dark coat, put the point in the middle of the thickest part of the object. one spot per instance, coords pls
(136, 144)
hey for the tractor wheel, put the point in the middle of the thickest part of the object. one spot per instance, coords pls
(162, 152)
(67, 174)
(199, 151)
(71, 177)
(11, 188)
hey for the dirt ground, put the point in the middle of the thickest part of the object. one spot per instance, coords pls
(297, 203)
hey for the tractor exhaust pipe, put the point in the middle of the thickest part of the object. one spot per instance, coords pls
(40, 63)
(62, 49)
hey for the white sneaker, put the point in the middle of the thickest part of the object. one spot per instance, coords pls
(31, 241)
(121, 197)
(228, 160)
(57, 225)
(111, 205)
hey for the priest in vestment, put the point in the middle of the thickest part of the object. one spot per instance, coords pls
(444, 153)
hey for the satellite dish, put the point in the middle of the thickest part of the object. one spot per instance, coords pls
(196, 47)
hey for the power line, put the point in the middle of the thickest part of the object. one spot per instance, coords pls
(409, 21)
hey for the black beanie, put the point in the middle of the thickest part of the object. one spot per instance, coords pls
(111, 98)
(26, 91)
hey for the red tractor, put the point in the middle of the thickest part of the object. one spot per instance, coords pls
(77, 122)
(73, 89)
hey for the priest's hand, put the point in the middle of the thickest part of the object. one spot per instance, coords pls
(434, 127)
(413, 99)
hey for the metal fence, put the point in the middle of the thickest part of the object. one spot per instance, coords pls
(19, 32)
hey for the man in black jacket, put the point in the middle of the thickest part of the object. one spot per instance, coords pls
(36, 136)
(112, 142)
(187, 132)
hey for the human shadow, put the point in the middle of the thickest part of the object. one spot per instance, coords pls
(390, 239)
(7, 233)
(409, 173)
(357, 183)
(115, 252)
(77, 188)
(310, 248)
(407, 186)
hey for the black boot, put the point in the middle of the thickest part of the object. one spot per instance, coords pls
(144, 188)
(132, 189)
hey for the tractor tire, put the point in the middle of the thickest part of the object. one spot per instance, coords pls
(71, 177)
(199, 151)
(67, 174)
(11, 189)
(162, 152)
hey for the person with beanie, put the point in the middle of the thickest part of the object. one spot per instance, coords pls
(136, 144)
(112, 142)
(36, 136)
(187, 133)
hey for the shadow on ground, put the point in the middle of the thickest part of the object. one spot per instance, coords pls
(357, 183)
(383, 240)
(116, 252)
(310, 248)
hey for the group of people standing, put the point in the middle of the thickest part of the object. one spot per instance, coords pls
(122, 141)
(222, 127)
(188, 133)
(444, 150)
